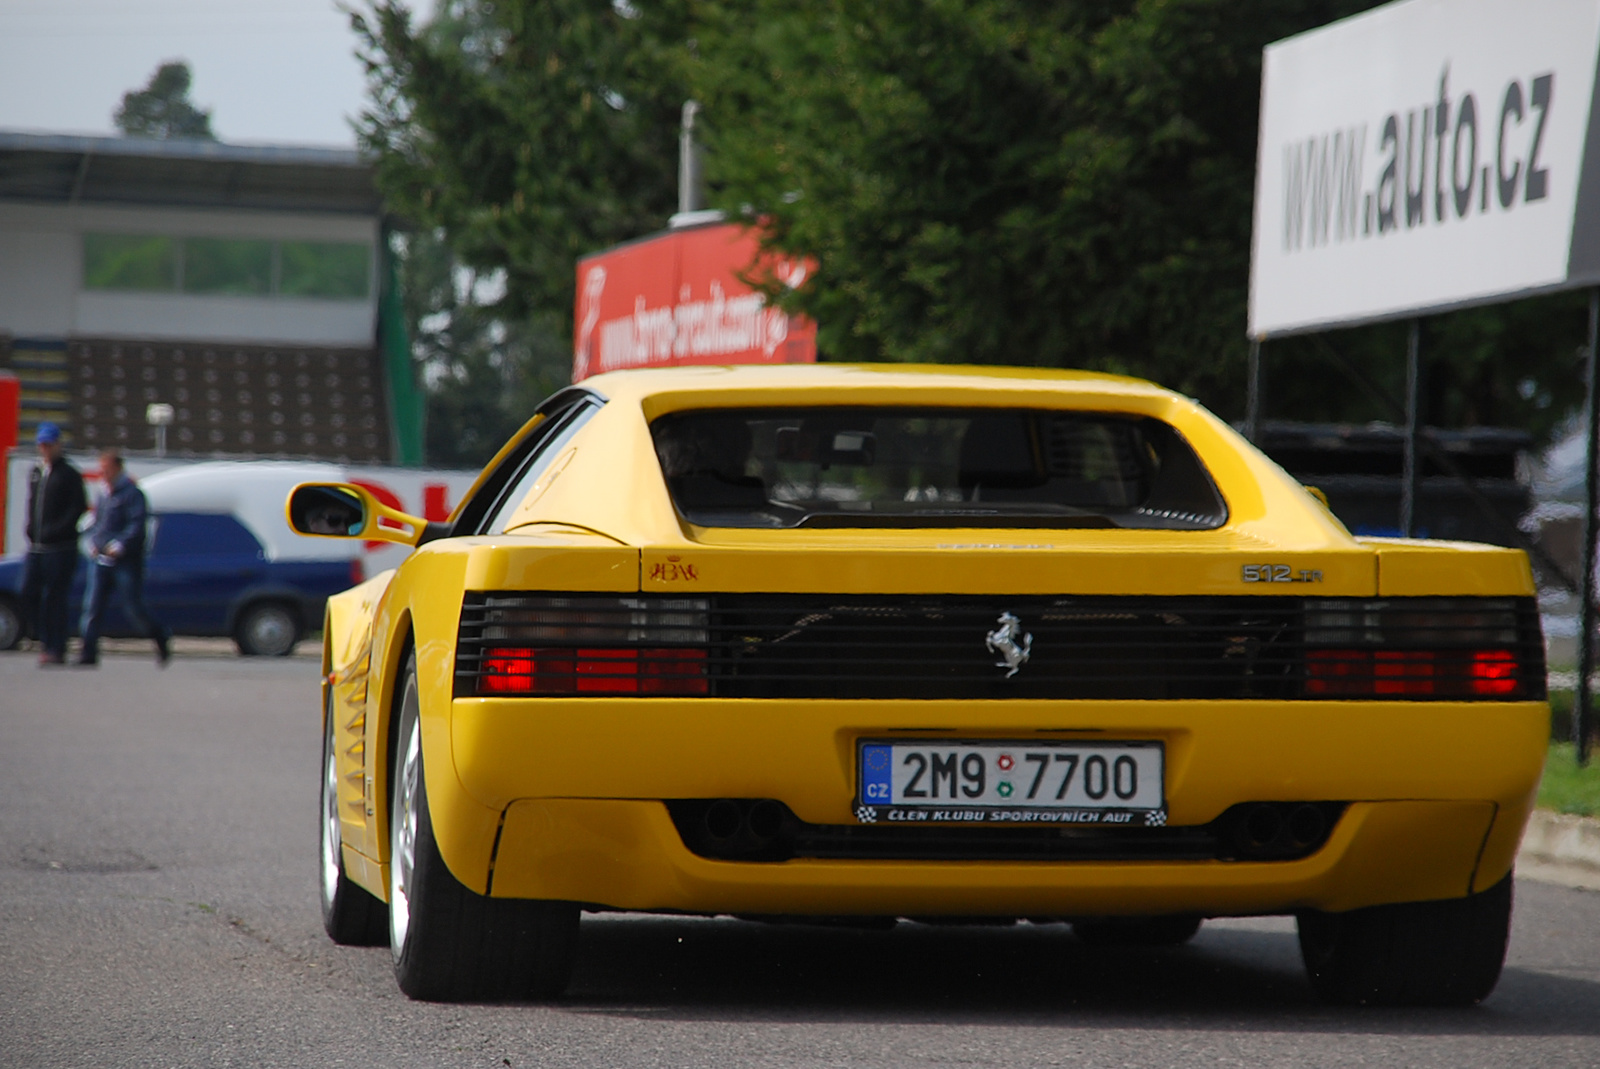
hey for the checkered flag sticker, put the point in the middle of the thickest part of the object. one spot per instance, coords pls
(1156, 818)
(866, 814)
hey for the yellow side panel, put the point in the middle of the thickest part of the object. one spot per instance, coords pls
(349, 621)
(349, 744)
(1505, 837)
(423, 604)
(348, 647)
(1411, 852)
(531, 559)
(1418, 567)
(365, 872)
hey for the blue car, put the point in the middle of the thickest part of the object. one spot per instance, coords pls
(212, 572)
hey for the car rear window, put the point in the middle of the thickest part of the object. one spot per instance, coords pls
(932, 467)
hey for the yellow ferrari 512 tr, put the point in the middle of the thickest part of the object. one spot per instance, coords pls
(878, 642)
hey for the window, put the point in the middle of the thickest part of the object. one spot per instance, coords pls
(495, 497)
(130, 262)
(227, 266)
(238, 267)
(934, 467)
(320, 269)
(560, 430)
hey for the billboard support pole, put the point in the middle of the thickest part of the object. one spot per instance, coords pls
(1410, 477)
(1586, 610)
(1252, 396)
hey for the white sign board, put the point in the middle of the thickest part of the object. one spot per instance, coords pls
(1429, 154)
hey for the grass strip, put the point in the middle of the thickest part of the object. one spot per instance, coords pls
(1566, 788)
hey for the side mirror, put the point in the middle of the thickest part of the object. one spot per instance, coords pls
(342, 510)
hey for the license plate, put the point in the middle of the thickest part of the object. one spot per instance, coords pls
(1009, 782)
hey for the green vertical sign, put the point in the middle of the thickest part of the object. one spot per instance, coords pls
(406, 410)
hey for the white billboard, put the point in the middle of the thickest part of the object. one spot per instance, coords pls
(1426, 155)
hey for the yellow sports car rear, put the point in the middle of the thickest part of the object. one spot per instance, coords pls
(883, 642)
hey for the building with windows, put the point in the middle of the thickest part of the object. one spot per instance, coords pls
(248, 287)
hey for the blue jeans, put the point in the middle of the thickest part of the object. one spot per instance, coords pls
(127, 578)
(46, 588)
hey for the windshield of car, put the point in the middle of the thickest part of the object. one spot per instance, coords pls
(932, 467)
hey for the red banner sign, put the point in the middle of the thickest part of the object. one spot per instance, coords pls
(677, 298)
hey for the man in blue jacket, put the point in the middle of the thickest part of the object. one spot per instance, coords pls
(117, 543)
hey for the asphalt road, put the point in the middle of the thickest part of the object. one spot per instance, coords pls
(158, 908)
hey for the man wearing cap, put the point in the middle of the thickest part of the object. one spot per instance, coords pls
(55, 504)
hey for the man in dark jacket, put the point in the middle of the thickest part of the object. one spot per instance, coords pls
(117, 543)
(55, 504)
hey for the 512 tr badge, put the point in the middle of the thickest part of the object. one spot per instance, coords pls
(1279, 573)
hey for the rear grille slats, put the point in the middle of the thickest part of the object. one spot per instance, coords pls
(933, 647)
(922, 647)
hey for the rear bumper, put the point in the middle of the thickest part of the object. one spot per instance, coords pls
(561, 799)
(628, 855)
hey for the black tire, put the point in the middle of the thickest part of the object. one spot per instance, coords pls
(1445, 953)
(451, 944)
(10, 624)
(267, 629)
(1164, 931)
(352, 915)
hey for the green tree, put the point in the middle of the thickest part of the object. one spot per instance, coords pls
(530, 132)
(1006, 181)
(515, 136)
(483, 374)
(162, 109)
(1513, 365)
(1048, 182)
(1063, 183)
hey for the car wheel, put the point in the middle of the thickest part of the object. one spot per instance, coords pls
(352, 915)
(449, 942)
(10, 624)
(1445, 953)
(1166, 931)
(267, 629)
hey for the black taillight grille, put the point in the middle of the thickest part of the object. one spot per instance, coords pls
(925, 647)
(516, 644)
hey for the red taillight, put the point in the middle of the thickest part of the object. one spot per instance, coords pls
(666, 670)
(605, 672)
(507, 671)
(672, 671)
(1408, 672)
(1379, 673)
(1338, 672)
(1494, 672)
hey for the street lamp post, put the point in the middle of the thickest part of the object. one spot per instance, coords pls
(159, 416)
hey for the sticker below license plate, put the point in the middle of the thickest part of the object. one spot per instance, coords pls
(1011, 782)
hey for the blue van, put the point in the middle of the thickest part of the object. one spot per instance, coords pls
(221, 560)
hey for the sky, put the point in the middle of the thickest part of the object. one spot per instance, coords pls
(270, 71)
